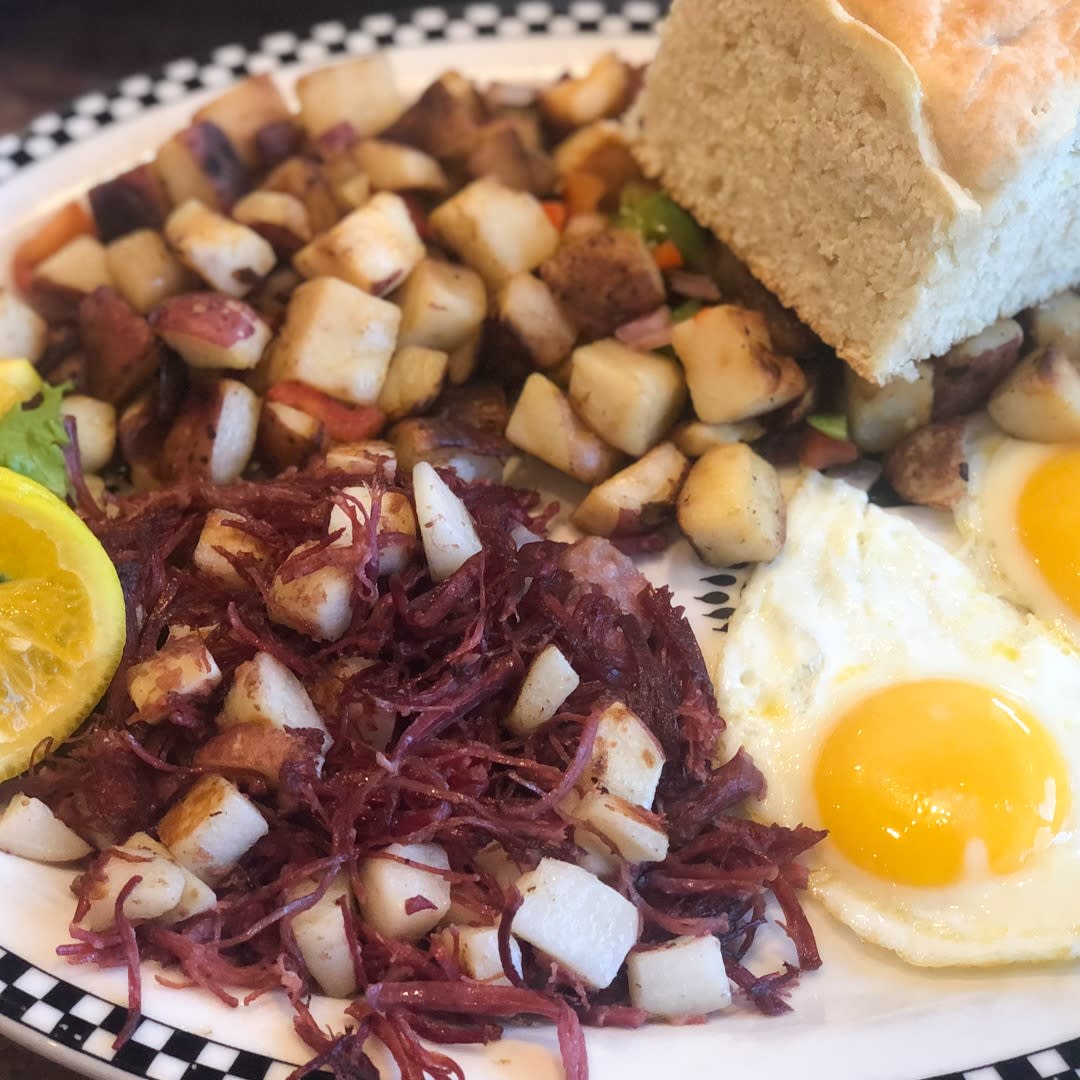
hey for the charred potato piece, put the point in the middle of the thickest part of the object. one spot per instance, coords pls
(529, 331)
(212, 331)
(603, 279)
(245, 110)
(502, 152)
(929, 466)
(438, 440)
(133, 200)
(966, 376)
(603, 91)
(600, 150)
(1040, 400)
(393, 167)
(279, 218)
(444, 120)
(145, 271)
(286, 436)
(307, 181)
(442, 305)
(349, 100)
(23, 332)
(413, 381)
(482, 406)
(731, 508)
(61, 281)
(200, 163)
(880, 416)
(120, 348)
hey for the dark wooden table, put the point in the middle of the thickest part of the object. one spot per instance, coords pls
(52, 52)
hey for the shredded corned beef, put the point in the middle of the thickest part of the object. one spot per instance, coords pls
(448, 659)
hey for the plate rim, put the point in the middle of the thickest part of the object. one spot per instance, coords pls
(39, 1010)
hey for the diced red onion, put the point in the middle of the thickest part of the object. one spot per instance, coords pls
(695, 286)
(651, 331)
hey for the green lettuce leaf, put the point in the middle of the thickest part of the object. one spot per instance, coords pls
(32, 440)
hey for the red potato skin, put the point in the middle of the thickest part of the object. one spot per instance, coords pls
(211, 317)
(133, 200)
(120, 347)
(209, 146)
(341, 422)
(277, 142)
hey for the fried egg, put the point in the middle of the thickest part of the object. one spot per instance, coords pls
(1020, 522)
(930, 727)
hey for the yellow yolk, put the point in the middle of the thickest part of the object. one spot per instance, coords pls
(1048, 521)
(923, 782)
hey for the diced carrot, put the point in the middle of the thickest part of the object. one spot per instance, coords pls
(342, 422)
(667, 256)
(556, 213)
(582, 192)
(818, 451)
(68, 222)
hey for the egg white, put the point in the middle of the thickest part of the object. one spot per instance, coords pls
(858, 600)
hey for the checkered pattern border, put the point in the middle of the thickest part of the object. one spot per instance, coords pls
(324, 41)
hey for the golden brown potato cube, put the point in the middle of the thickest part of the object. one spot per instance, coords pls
(279, 218)
(1040, 400)
(286, 436)
(211, 331)
(394, 167)
(638, 498)
(375, 457)
(545, 425)
(603, 91)
(133, 200)
(317, 603)
(880, 416)
(503, 152)
(929, 466)
(496, 231)
(532, 324)
(731, 370)
(1057, 322)
(966, 376)
(441, 305)
(213, 435)
(218, 540)
(243, 110)
(200, 163)
(337, 339)
(23, 332)
(356, 97)
(601, 150)
(629, 398)
(695, 437)
(353, 192)
(62, 280)
(731, 508)
(374, 248)
(444, 120)
(413, 382)
(463, 360)
(145, 271)
(307, 181)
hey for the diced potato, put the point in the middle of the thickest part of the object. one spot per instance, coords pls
(493, 860)
(441, 305)
(372, 458)
(219, 539)
(158, 891)
(731, 508)
(444, 120)
(635, 833)
(200, 163)
(603, 91)
(145, 271)
(448, 444)
(63, 279)
(405, 902)
(245, 109)
(337, 339)
(95, 425)
(318, 603)
(212, 331)
(476, 950)
(503, 152)
(196, 896)
(1057, 322)
(880, 416)
(393, 167)
(681, 978)
(22, 330)
(321, 937)
(463, 360)
(531, 325)
(29, 829)
(731, 370)
(549, 681)
(214, 433)
(395, 526)
(581, 923)
(446, 528)
(265, 691)
(637, 499)
(1040, 400)
(696, 438)
(133, 200)
(413, 382)
(604, 277)
(279, 218)
(353, 192)
(544, 424)
(966, 376)
(601, 150)
(229, 256)
(211, 828)
(307, 181)
(356, 97)
(121, 353)
(287, 437)
(930, 466)
(257, 748)
(495, 230)
(183, 668)
(629, 398)
(626, 758)
(374, 248)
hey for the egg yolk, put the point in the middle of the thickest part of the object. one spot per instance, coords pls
(923, 783)
(1048, 523)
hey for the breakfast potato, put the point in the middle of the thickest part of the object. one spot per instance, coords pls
(141, 432)
(393, 167)
(214, 433)
(544, 424)
(601, 150)
(121, 353)
(444, 120)
(144, 270)
(638, 498)
(529, 330)
(442, 305)
(1040, 400)
(23, 332)
(731, 508)
(929, 466)
(286, 437)
(95, 429)
(375, 457)
(133, 200)
(252, 106)
(279, 218)
(211, 331)
(880, 416)
(413, 381)
(481, 406)
(501, 151)
(29, 829)
(200, 163)
(695, 438)
(966, 376)
(626, 758)
(388, 887)
(446, 527)
(322, 938)
(636, 834)
(183, 668)
(60, 282)
(349, 100)
(464, 360)
(679, 979)
(1057, 322)
(343, 422)
(307, 181)
(629, 398)
(444, 442)
(317, 603)
(337, 339)
(549, 681)
(495, 230)
(604, 278)
(602, 91)
(158, 889)
(353, 192)
(228, 256)
(220, 543)
(395, 526)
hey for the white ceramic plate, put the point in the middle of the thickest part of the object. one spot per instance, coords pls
(863, 1016)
